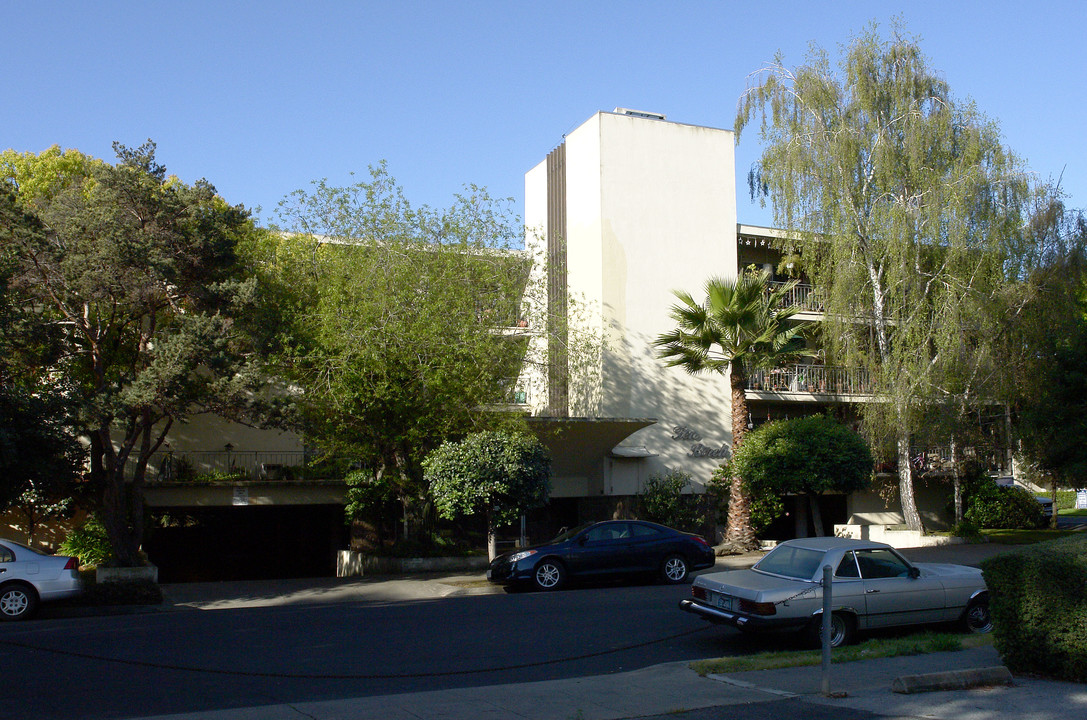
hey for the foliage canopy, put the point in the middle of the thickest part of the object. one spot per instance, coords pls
(909, 217)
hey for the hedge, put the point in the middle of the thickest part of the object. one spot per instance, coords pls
(1038, 600)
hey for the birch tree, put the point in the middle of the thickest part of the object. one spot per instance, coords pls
(906, 209)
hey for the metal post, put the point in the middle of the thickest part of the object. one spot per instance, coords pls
(827, 574)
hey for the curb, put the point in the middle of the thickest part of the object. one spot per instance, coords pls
(952, 680)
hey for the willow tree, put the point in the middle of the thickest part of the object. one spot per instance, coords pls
(743, 325)
(906, 210)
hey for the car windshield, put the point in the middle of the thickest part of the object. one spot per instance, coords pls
(791, 562)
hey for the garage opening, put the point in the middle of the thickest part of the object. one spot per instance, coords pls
(256, 542)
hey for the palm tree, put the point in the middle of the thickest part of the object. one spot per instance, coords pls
(743, 325)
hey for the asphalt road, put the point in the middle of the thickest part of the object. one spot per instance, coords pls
(185, 661)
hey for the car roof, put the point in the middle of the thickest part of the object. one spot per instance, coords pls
(823, 544)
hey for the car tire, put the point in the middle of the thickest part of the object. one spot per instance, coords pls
(18, 601)
(674, 569)
(549, 575)
(842, 630)
(976, 618)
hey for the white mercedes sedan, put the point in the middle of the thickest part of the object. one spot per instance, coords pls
(872, 586)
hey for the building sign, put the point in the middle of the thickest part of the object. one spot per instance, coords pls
(241, 495)
(683, 433)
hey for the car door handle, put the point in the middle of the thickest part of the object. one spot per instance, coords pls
(869, 592)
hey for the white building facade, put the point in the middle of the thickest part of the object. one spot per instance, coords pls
(627, 209)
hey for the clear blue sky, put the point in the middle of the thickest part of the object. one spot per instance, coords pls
(262, 97)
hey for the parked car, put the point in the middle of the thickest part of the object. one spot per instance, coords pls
(28, 577)
(1047, 506)
(872, 586)
(605, 549)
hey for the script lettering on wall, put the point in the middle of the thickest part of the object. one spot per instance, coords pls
(683, 433)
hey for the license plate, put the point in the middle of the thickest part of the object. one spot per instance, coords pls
(723, 602)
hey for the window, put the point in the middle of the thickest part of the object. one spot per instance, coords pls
(876, 564)
(791, 562)
(643, 531)
(847, 568)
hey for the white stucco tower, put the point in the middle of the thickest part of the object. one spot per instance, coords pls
(627, 209)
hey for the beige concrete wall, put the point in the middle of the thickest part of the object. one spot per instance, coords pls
(651, 209)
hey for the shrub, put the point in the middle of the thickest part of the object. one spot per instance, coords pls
(766, 506)
(994, 506)
(89, 543)
(663, 501)
(1039, 608)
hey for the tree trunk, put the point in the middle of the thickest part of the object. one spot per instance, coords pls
(492, 542)
(816, 515)
(800, 517)
(739, 535)
(905, 483)
(956, 479)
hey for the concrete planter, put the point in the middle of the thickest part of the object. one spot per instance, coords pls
(351, 564)
(126, 574)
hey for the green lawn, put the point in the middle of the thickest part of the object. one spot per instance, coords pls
(1025, 537)
(919, 644)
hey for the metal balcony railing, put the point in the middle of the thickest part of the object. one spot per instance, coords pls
(244, 465)
(801, 295)
(993, 460)
(821, 379)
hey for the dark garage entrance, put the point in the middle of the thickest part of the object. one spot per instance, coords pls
(255, 542)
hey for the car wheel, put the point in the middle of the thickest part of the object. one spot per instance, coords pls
(977, 619)
(549, 575)
(842, 630)
(17, 601)
(674, 569)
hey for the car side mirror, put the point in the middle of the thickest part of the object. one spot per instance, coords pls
(914, 573)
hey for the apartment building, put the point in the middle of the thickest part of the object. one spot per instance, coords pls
(628, 208)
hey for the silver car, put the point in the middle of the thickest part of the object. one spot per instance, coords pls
(872, 587)
(28, 577)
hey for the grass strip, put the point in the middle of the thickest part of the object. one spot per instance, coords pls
(874, 648)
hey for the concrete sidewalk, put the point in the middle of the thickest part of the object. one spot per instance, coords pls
(674, 690)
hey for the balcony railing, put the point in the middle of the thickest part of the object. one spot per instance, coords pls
(820, 379)
(801, 295)
(244, 465)
(938, 460)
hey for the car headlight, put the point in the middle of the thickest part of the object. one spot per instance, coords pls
(521, 555)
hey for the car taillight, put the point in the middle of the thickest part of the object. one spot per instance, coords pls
(72, 564)
(702, 540)
(699, 593)
(758, 608)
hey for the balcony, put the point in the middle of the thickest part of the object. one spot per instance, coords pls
(938, 461)
(801, 295)
(230, 466)
(809, 381)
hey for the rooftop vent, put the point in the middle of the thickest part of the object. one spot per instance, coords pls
(639, 113)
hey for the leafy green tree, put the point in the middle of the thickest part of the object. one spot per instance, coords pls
(399, 325)
(132, 276)
(808, 456)
(744, 324)
(1046, 350)
(497, 473)
(908, 214)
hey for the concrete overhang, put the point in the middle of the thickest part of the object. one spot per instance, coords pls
(577, 442)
